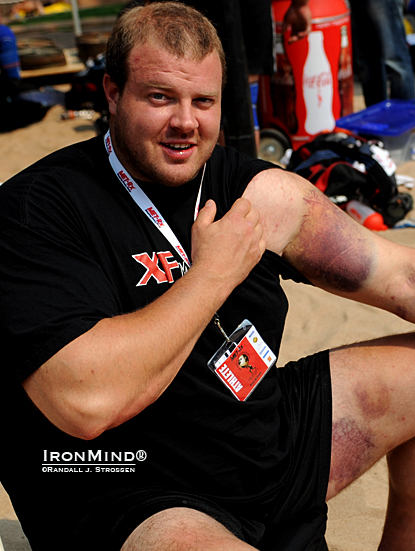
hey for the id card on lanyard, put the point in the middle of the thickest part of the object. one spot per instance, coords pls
(243, 360)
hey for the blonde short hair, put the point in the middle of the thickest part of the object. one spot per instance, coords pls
(179, 29)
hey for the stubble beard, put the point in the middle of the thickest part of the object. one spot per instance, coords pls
(133, 159)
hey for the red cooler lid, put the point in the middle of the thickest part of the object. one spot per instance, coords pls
(320, 9)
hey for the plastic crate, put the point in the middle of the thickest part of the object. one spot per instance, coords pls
(391, 121)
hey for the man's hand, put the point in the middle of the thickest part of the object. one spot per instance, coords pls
(298, 18)
(228, 249)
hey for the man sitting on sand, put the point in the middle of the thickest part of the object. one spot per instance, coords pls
(136, 269)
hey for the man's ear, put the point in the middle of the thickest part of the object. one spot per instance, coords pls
(111, 92)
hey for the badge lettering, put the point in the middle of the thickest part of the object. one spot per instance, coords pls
(228, 376)
(167, 266)
(125, 180)
(108, 144)
(161, 275)
(153, 214)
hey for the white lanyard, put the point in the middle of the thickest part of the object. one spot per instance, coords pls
(144, 202)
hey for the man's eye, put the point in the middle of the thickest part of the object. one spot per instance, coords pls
(158, 96)
(204, 101)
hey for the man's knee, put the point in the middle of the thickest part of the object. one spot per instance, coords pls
(373, 389)
(182, 529)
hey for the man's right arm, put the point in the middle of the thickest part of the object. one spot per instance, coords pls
(123, 364)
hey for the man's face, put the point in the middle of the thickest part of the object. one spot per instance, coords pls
(166, 122)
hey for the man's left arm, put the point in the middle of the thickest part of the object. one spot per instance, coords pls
(329, 248)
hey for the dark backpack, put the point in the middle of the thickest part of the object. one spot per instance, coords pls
(342, 164)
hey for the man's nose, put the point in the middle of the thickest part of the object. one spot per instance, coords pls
(184, 117)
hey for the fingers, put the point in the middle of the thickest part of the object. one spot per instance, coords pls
(299, 35)
(298, 19)
(225, 251)
(239, 228)
(241, 222)
(243, 208)
(207, 214)
(241, 205)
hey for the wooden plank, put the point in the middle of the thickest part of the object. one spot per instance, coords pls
(73, 65)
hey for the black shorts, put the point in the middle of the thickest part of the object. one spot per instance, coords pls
(294, 519)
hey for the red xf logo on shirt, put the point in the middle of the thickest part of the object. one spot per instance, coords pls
(161, 274)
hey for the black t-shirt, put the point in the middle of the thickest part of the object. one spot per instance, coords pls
(75, 248)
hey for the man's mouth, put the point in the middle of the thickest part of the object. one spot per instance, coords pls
(178, 147)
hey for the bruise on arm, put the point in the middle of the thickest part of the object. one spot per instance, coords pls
(330, 249)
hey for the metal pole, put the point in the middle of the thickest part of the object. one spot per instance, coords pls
(75, 18)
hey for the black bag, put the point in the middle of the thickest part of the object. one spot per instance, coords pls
(343, 164)
(87, 91)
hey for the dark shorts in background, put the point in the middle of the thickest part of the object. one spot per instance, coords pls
(293, 519)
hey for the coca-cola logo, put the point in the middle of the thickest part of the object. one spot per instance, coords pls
(318, 81)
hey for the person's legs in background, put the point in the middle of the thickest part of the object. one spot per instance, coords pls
(387, 16)
(367, 54)
(380, 50)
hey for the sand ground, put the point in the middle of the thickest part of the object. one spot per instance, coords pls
(316, 320)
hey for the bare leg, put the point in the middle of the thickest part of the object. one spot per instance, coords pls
(373, 414)
(399, 530)
(181, 529)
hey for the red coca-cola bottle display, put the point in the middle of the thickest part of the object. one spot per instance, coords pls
(283, 89)
(309, 100)
(345, 75)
